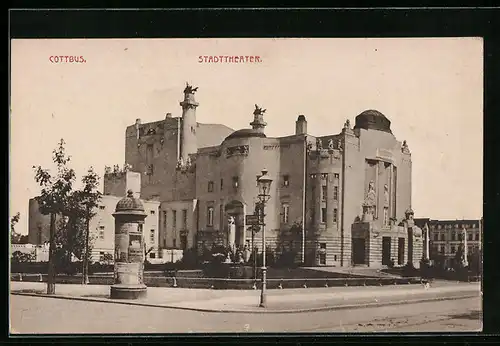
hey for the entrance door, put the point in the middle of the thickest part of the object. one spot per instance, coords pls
(386, 250)
(358, 251)
(401, 251)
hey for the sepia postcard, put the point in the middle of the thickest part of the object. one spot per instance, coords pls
(246, 185)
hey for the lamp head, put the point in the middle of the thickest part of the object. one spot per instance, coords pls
(264, 184)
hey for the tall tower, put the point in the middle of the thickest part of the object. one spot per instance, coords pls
(188, 136)
(258, 122)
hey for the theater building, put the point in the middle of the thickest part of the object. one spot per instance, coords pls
(342, 199)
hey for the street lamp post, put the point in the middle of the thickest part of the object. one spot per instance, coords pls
(264, 184)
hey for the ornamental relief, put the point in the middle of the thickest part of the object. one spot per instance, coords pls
(239, 150)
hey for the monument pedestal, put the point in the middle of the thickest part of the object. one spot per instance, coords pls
(122, 291)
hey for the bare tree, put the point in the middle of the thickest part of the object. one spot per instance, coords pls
(53, 200)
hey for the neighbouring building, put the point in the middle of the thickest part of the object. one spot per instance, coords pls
(38, 253)
(102, 225)
(342, 199)
(446, 236)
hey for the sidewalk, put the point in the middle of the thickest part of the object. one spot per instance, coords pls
(286, 300)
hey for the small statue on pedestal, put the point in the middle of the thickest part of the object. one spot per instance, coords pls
(319, 144)
(330, 144)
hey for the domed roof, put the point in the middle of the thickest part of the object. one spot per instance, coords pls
(130, 205)
(373, 120)
(246, 133)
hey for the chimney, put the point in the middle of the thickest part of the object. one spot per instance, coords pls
(301, 125)
(138, 121)
(169, 115)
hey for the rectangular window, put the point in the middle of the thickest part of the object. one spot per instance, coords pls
(322, 245)
(210, 186)
(101, 256)
(436, 236)
(442, 236)
(152, 255)
(174, 243)
(477, 236)
(453, 249)
(152, 236)
(285, 212)
(442, 249)
(336, 175)
(386, 216)
(101, 232)
(164, 219)
(102, 207)
(184, 218)
(323, 192)
(152, 212)
(286, 180)
(221, 184)
(453, 236)
(470, 236)
(335, 215)
(336, 193)
(174, 219)
(323, 215)
(210, 216)
(335, 257)
(164, 243)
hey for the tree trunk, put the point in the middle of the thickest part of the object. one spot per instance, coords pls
(85, 271)
(51, 277)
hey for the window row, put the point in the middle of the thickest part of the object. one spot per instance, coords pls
(324, 193)
(165, 222)
(102, 233)
(456, 226)
(457, 236)
(236, 183)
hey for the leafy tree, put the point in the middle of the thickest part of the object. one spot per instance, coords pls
(88, 199)
(55, 193)
(14, 236)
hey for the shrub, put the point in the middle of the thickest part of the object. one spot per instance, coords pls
(286, 260)
(21, 257)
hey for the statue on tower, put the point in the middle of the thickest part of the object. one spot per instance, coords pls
(189, 89)
(347, 124)
(258, 110)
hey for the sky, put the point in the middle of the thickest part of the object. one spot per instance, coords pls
(431, 89)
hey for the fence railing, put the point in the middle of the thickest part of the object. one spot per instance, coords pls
(230, 283)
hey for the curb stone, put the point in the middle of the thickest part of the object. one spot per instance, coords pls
(254, 310)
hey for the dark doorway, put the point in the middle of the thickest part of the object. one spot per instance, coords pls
(386, 250)
(401, 251)
(358, 251)
(183, 242)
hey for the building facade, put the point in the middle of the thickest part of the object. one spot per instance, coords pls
(340, 199)
(446, 236)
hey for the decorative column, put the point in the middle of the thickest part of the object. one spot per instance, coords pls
(129, 249)
(427, 242)
(231, 237)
